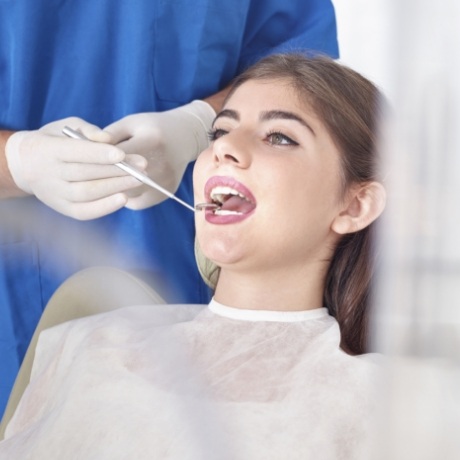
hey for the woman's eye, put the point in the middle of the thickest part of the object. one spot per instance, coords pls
(215, 133)
(280, 139)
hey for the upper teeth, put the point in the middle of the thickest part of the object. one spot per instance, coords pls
(218, 193)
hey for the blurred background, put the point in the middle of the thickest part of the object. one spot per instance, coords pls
(411, 50)
(363, 29)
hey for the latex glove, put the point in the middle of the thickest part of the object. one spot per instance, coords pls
(168, 140)
(74, 177)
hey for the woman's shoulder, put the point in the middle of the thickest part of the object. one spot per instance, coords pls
(113, 328)
(133, 317)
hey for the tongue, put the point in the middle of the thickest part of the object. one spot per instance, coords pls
(238, 204)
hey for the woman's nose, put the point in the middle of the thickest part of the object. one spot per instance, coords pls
(233, 149)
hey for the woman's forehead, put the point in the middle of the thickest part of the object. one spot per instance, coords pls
(260, 93)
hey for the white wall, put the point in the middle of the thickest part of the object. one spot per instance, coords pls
(411, 49)
(363, 28)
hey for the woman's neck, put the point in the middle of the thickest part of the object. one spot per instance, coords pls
(298, 290)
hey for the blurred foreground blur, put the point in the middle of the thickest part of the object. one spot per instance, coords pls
(417, 318)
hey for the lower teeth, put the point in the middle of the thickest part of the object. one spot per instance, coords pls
(223, 212)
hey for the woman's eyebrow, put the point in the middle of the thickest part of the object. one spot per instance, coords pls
(281, 114)
(266, 116)
(233, 114)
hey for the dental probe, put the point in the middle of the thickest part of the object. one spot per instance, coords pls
(134, 172)
(201, 206)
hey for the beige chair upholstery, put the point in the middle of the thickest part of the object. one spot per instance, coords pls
(88, 292)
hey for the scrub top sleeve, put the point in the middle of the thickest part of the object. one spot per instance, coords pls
(276, 26)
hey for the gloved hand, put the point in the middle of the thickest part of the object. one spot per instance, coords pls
(74, 177)
(168, 140)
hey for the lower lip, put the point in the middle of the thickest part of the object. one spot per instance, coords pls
(223, 220)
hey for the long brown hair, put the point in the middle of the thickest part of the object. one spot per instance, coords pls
(349, 106)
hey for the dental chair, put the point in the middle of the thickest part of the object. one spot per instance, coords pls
(88, 292)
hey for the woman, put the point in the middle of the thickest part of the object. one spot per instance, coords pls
(269, 369)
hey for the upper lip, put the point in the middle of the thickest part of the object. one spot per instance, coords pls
(230, 182)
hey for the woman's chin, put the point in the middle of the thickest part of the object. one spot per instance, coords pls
(222, 254)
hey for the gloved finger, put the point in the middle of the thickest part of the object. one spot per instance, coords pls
(95, 134)
(139, 145)
(81, 192)
(93, 209)
(82, 172)
(73, 150)
(78, 124)
(136, 161)
(148, 198)
(120, 130)
(134, 192)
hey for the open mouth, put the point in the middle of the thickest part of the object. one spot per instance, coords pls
(230, 201)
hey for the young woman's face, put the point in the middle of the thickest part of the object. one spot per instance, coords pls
(277, 171)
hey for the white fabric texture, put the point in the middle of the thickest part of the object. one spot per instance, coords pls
(192, 382)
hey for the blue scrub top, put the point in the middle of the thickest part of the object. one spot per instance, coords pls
(101, 60)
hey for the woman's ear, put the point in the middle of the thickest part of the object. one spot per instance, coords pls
(364, 204)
